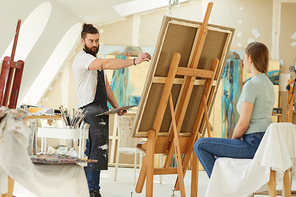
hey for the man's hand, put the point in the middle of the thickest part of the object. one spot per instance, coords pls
(143, 57)
(121, 112)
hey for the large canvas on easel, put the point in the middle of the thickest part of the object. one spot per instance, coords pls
(180, 36)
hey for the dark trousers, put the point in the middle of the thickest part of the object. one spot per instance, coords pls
(93, 180)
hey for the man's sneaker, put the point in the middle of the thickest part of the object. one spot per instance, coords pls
(95, 193)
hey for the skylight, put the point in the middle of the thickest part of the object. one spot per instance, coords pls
(135, 7)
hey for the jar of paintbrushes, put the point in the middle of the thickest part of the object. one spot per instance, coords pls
(73, 120)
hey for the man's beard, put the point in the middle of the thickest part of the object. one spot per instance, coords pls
(91, 51)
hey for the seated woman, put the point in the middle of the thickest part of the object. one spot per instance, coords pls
(255, 108)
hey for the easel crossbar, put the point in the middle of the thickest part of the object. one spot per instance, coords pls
(163, 143)
(162, 171)
(17, 65)
(195, 72)
(199, 82)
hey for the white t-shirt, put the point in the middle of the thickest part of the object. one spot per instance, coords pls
(86, 80)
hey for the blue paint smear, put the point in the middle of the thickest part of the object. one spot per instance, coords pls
(230, 79)
(135, 100)
(274, 77)
(120, 86)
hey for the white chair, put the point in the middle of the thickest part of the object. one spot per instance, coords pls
(126, 144)
(275, 156)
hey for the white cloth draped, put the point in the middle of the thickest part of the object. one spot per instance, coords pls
(41, 180)
(242, 177)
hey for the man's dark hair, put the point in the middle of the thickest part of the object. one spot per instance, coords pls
(88, 29)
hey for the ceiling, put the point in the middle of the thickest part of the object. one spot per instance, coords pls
(93, 11)
(102, 11)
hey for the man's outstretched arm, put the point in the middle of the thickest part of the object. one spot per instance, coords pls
(114, 64)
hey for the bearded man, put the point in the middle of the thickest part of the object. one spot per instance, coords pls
(93, 90)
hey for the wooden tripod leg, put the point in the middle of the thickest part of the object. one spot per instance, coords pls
(150, 163)
(179, 166)
(142, 176)
(290, 99)
(3, 76)
(10, 188)
(194, 175)
(206, 115)
(287, 186)
(271, 184)
(158, 119)
(198, 119)
(177, 149)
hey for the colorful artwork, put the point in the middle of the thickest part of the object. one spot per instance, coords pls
(273, 73)
(127, 83)
(119, 85)
(232, 86)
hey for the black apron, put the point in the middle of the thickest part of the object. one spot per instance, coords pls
(99, 127)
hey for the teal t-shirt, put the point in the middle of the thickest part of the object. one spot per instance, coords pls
(259, 90)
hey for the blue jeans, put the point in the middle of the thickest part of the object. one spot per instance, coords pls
(93, 180)
(87, 147)
(208, 149)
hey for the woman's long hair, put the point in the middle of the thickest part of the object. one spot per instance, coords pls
(260, 56)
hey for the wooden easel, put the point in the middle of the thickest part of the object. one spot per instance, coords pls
(290, 100)
(179, 145)
(11, 76)
(10, 81)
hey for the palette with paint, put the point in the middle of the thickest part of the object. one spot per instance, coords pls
(114, 111)
(57, 159)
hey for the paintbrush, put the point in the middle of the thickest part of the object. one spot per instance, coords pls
(83, 115)
(76, 118)
(67, 117)
(63, 114)
(80, 120)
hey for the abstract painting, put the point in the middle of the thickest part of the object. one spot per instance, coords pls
(231, 83)
(127, 83)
